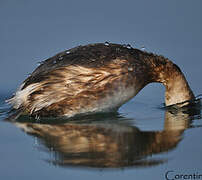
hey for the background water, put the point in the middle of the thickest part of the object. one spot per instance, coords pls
(144, 141)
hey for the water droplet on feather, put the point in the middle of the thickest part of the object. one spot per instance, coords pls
(130, 69)
(106, 43)
(128, 46)
(143, 48)
(39, 63)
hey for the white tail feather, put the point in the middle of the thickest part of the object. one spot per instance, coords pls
(21, 95)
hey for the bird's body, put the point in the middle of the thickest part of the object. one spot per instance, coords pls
(96, 78)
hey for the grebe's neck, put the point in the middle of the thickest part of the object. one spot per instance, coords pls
(168, 73)
(177, 89)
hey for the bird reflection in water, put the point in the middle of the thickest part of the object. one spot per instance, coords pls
(108, 141)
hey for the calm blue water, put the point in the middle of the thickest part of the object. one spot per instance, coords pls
(142, 141)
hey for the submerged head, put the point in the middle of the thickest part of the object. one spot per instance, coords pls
(177, 87)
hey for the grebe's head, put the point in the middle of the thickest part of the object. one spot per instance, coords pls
(177, 88)
(171, 76)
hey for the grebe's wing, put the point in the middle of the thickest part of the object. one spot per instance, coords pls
(80, 70)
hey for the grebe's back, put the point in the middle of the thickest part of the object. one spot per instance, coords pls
(96, 78)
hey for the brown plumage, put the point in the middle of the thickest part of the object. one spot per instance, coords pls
(96, 78)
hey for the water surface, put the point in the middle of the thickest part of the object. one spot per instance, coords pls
(103, 145)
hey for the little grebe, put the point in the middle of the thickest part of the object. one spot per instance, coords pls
(96, 78)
